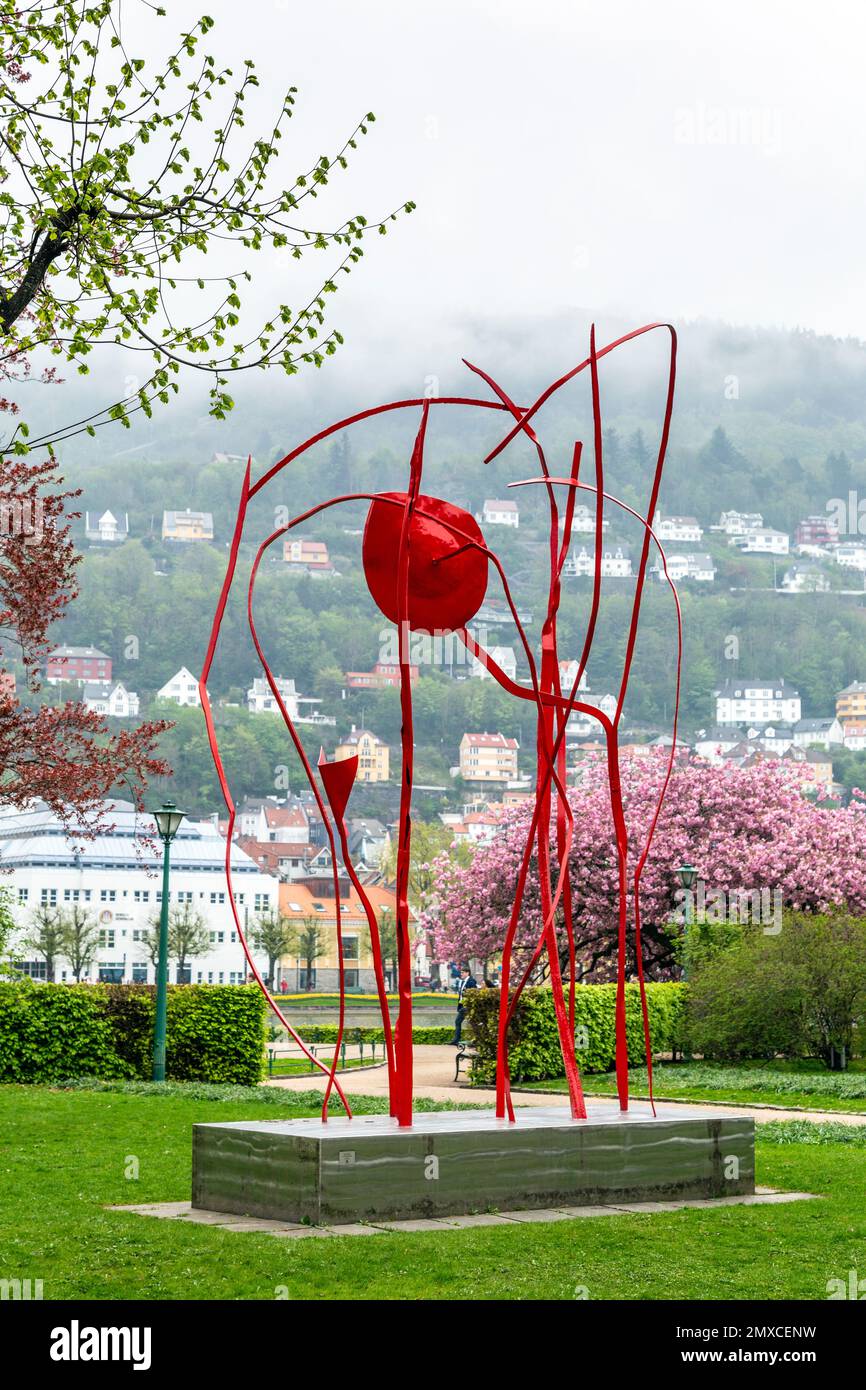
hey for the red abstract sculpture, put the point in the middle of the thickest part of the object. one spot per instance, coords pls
(426, 564)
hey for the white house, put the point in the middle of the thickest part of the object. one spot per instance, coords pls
(712, 744)
(805, 579)
(855, 736)
(300, 708)
(106, 529)
(182, 689)
(738, 523)
(500, 512)
(762, 540)
(583, 521)
(774, 738)
(568, 674)
(504, 658)
(851, 555)
(826, 733)
(677, 528)
(754, 701)
(697, 566)
(111, 698)
(615, 562)
(116, 880)
(276, 822)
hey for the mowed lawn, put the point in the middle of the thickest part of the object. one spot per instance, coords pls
(796, 1085)
(64, 1155)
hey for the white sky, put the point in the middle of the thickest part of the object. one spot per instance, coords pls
(668, 158)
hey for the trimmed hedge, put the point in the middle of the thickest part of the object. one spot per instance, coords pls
(50, 1032)
(327, 1033)
(533, 1041)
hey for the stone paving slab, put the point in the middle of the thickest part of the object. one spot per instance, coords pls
(223, 1221)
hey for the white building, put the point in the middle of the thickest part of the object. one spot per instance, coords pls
(693, 565)
(753, 701)
(827, 733)
(268, 820)
(182, 689)
(583, 521)
(677, 528)
(504, 658)
(115, 879)
(111, 698)
(762, 540)
(739, 523)
(851, 555)
(615, 562)
(712, 744)
(106, 529)
(500, 512)
(301, 708)
(568, 674)
(805, 579)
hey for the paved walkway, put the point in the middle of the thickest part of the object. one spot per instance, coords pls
(434, 1080)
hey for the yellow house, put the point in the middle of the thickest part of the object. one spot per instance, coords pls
(851, 703)
(372, 754)
(187, 526)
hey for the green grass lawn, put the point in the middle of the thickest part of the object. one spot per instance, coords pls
(801, 1085)
(64, 1154)
(299, 1066)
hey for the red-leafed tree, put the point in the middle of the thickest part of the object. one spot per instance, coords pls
(63, 755)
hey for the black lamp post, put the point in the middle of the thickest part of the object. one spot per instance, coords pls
(687, 875)
(168, 821)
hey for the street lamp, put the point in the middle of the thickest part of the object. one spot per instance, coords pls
(688, 877)
(168, 820)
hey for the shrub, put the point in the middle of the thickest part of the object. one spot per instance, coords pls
(50, 1032)
(533, 1044)
(801, 993)
(327, 1033)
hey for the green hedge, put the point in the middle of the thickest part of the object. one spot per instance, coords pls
(533, 1043)
(327, 1033)
(50, 1032)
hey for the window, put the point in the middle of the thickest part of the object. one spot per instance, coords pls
(351, 949)
(36, 969)
(107, 895)
(217, 897)
(262, 900)
(48, 897)
(106, 938)
(141, 895)
(23, 894)
(139, 974)
(351, 979)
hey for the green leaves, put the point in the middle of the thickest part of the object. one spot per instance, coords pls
(103, 191)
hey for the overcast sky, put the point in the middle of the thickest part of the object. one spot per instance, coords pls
(667, 158)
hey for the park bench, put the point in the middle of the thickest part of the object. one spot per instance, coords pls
(465, 1053)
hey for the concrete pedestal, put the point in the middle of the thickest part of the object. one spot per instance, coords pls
(451, 1163)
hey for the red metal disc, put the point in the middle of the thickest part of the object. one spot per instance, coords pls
(444, 594)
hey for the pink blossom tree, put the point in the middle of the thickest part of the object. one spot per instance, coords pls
(744, 828)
